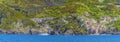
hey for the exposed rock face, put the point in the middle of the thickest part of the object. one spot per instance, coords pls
(46, 28)
(69, 32)
(91, 25)
(64, 21)
(87, 14)
(95, 27)
(17, 24)
(105, 20)
(35, 31)
(40, 20)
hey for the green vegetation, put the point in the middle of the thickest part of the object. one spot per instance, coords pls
(12, 11)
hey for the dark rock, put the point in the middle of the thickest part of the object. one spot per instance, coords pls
(17, 8)
(69, 32)
(1, 32)
(52, 33)
(57, 27)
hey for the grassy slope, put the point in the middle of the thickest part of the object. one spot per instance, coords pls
(60, 12)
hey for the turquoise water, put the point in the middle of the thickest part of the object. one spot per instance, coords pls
(38, 38)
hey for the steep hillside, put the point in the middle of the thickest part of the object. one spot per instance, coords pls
(59, 17)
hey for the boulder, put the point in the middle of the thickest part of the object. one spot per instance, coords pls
(69, 32)
(64, 21)
(35, 31)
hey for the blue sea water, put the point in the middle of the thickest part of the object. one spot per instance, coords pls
(54, 38)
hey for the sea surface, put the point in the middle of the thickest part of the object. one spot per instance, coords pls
(55, 38)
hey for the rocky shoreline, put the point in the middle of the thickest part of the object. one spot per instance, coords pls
(91, 25)
(59, 17)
